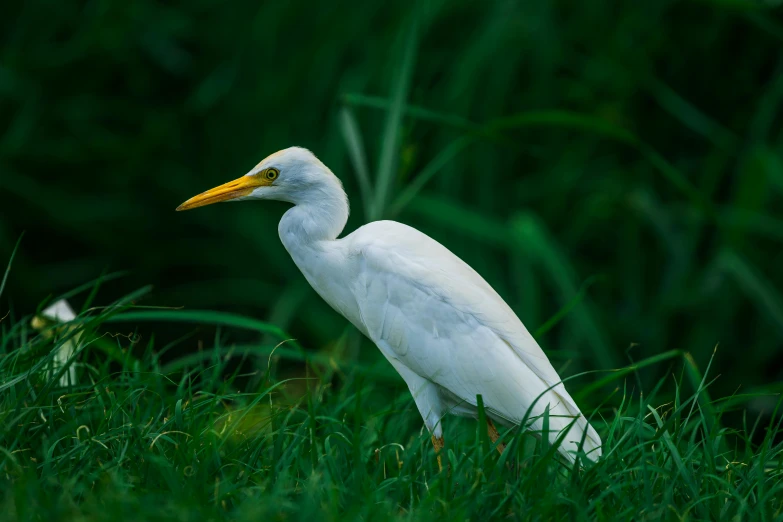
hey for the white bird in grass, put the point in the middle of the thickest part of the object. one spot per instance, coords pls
(445, 330)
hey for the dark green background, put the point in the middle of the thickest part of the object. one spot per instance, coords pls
(628, 149)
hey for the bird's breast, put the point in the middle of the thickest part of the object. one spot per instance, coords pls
(332, 276)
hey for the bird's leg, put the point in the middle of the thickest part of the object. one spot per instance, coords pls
(494, 435)
(438, 444)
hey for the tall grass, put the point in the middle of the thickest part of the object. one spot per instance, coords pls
(144, 436)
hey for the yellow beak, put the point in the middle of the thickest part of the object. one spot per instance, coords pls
(226, 192)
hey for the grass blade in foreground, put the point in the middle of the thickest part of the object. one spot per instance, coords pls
(204, 317)
(138, 444)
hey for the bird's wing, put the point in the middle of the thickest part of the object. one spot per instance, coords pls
(441, 319)
(394, 253)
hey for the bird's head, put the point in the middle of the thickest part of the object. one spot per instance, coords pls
(294, 175)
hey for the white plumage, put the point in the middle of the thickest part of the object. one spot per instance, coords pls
(438, 322)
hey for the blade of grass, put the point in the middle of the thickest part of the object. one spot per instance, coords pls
(584, 122)
(88, 286)
(549, 324)
(356, 153)
(757, 287)
(414, 111)
(483, 435)
(204, 316)
(10, 263)
(622, 372)
(684, 472)
(380, 371)
(391, 136)
(697, 380)
(428, 172)
(690, 116)
(456, 217)
(531, 237)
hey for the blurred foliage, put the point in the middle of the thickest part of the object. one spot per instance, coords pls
(614, 165)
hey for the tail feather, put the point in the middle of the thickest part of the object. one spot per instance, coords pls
(562, 414)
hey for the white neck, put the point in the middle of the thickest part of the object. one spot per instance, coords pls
(319, 217)
(309, 233)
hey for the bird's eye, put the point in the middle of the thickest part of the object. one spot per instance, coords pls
(271, 174)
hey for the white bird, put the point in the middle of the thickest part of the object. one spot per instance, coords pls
(445, 330)
(59, 312)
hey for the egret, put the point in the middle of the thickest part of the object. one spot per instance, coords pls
(448, 334)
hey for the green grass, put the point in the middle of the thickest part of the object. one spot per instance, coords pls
(229, 433)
